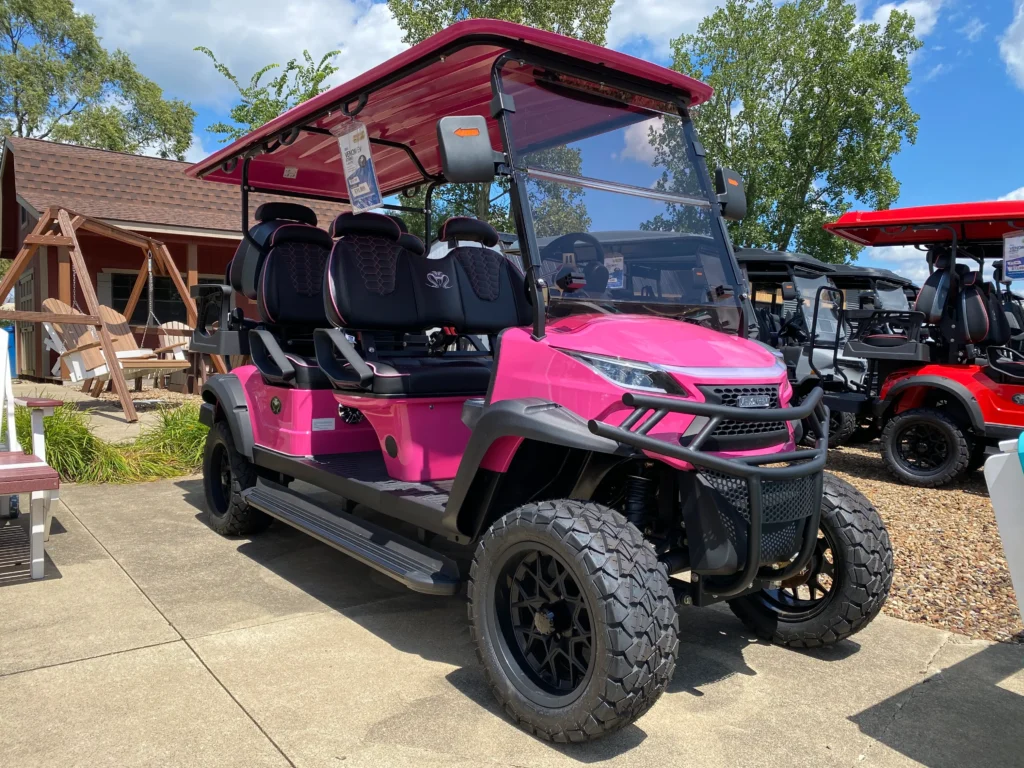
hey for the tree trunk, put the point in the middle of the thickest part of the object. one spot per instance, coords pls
(483, 202)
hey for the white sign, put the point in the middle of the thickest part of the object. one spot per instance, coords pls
(357, 160)
(1013, 254)
(323, 425)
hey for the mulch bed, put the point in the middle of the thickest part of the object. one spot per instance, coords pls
(950, 569)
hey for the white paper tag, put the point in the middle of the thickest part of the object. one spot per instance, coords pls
(616, 266)
(357, 160)
(323, 425)
(1013, 254)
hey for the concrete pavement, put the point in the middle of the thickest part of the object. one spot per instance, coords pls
(154, 641)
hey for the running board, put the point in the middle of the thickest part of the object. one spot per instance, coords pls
(414, 565)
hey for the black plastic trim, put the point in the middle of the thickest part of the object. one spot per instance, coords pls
(530, 418)
(269, 358)
(958, 390)
(224, 391)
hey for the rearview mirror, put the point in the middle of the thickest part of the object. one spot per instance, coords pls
(789, 292)
(466, 152)
(731, 194)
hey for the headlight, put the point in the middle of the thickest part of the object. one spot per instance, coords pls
(629, 374)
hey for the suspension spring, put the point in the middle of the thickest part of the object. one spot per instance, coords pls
(640, 500)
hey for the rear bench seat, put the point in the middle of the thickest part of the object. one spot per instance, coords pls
(378, 281)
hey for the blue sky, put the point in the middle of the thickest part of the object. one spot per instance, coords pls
(968, 82)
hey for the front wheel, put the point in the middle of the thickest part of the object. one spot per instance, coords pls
(841, 427)
(925, 448)
(573, 619)
(841, 589)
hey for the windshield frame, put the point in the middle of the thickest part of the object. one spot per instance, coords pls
(519, 176)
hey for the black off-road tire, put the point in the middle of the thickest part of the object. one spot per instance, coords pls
(229, 514)
(978, 456)
(841, 427)
(634, 625)
(860, 584)
(958, 448)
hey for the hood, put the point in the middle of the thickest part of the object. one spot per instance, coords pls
(656, 340)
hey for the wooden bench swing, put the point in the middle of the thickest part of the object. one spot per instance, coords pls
(97, 345)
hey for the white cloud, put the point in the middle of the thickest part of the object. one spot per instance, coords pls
(1011, 46)
(197, 151)
(904, 260)
(244, 34)
(654, 23)
(925, 13)
(638, 141)
(973, 29)
(935, 71)
(1017, 194)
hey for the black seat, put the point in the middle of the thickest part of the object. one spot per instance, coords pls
(376, 283)
(285, 278)
(932, 298)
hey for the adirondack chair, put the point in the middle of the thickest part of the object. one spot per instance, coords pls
(175, 336)
(22, 472)
(82, 360)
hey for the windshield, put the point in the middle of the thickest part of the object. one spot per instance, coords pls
(828, 312)
(617, 193)
(891, 297)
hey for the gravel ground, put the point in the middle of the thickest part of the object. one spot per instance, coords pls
(950, 569)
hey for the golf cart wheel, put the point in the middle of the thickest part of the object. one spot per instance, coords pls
(925, 448)
(573, 619)
(978, 456)
(226, 473)
(841, 427)
(843, 586)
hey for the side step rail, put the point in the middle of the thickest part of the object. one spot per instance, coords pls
(414, 565)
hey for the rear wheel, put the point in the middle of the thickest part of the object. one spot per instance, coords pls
(925, 447)
(226, 473)
(573, 619)
(843, 586)
(840, 427)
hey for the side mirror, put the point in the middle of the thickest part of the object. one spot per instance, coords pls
(789, 292)
(466, 152)
(867, 302)
(731, 194)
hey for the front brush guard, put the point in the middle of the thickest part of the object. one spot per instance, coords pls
(634, 432)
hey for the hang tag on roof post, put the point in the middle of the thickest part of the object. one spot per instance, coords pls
(357, 161)
(1013, 255)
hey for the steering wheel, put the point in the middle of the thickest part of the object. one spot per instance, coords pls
(565, 243)
(795, 327)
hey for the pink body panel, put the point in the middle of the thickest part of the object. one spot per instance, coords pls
(691, 354)
(429, 435)
(291, 430)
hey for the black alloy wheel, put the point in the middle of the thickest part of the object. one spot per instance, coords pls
(546, 621)
(924, 447)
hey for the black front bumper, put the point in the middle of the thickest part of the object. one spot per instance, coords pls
(767, 494)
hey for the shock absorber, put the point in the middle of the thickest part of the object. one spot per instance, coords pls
(640, 500)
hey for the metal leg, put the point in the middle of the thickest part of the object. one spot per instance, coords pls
(37, 523)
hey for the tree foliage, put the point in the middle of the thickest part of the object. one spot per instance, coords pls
(557, 208)
(582, 19)
(58, 82)
(262, 102)
(810, 107)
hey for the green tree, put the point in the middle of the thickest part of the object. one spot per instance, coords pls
(58, 82)
(557, 208)
(262, 102)
(810, 107)
(582, 19)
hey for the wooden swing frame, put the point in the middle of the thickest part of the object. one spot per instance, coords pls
(58, 227)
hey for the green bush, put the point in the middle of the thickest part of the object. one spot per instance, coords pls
(171, 448)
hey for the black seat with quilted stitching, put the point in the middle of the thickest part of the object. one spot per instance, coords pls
(376, 282)
(285, 278)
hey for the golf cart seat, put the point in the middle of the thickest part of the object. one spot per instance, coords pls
(931, 300)
(285, 278)
(374, 284)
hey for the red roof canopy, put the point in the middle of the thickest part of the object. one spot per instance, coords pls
(973, 222)
(447, 74)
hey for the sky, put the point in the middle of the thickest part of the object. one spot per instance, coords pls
(968, 79)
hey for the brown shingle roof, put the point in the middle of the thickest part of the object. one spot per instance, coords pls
(122, 187)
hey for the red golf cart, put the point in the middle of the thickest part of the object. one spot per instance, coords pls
(943, 385)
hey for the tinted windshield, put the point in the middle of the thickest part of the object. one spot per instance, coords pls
(616, 191)
(828, 312)
(891, 297)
